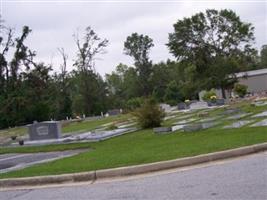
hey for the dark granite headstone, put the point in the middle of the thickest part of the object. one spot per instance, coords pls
(182, 106)
(160, 130)
(211, 103)
(114, 112)
(220, 102)
(45, 130)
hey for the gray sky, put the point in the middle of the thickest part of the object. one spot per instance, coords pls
(54, 22)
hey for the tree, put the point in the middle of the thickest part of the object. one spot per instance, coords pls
(263, 56)
(62, 81)
(138, 47)
(205, 38)
(160, 77)
(37, 98)
(123, 85)
(172, 94)
(90, 88)
(12, 94)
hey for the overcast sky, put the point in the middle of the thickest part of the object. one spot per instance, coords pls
(54, 22)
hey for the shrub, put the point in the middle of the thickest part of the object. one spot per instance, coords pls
(208, 94)
(149, 115)
(240, 90)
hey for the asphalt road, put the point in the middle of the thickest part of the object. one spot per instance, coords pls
(242, 178)
(10, 162)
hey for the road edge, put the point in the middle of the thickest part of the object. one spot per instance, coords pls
(131, 170)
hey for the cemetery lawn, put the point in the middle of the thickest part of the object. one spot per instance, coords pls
(145, 147)
(72, 127)
(84, 126)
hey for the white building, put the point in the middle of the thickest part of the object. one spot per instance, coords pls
(256, 80)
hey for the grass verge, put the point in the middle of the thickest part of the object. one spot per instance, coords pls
(44, 148)
(145, 147)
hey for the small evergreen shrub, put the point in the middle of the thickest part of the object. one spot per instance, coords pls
(240, 90)
(149, 115)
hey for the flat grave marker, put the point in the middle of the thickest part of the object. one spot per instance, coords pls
(238, 124)
(260, 123)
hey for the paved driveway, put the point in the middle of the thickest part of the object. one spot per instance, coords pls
(10, 162)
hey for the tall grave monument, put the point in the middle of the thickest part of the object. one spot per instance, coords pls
(45, 130)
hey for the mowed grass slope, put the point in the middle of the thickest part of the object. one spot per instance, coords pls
(91, 125)
(145, 147)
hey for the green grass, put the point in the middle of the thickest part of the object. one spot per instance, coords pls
(145, 147)
(142, 146)
(44, 148)
(91, 125)
(7, 133)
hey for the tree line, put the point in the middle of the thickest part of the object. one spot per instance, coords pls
(208, 47)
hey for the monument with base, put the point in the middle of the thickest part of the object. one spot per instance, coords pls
(45, 130)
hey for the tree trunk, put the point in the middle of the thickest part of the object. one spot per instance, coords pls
(223, 93)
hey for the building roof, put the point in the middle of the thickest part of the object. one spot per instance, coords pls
(252, 73)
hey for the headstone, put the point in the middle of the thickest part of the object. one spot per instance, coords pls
(211, 103)
(177, 127)
(262, 114)
(199, 126)
(161, 130)
(238, 124)
(259, 103)
(209, 124)
(198, 105)
(260, 123)
(238, 116)
(114, 112)
(193, 127)
(182, 106)
(165, 107)
(193, 101)
(220, 102)
(229, 111)
(45, 130)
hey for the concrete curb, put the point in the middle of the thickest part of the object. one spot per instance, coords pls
(131, 170)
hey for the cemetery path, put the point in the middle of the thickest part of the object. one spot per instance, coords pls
(238, 178)
(10, 162)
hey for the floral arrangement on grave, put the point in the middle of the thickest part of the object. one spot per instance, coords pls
(187, 102)
(208, 94)
(213, 98)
